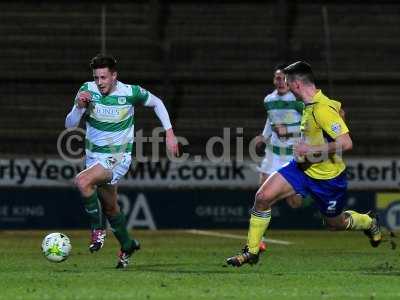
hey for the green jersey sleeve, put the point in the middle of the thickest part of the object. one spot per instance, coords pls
(139, 95)
(84, 87)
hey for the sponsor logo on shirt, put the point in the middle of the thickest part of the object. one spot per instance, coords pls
(107, 111)
(109, 114)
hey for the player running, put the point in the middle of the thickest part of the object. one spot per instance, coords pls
(318, 169)
(109, 107)
(281, 132)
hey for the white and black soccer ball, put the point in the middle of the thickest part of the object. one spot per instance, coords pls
(56, 247)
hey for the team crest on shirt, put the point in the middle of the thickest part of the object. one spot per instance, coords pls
(96, 97)
(121, 100)
(336, 128)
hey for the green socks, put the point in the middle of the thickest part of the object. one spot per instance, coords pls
(118, 226)
(93, 210)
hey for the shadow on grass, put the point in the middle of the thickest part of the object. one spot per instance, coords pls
(384, 269)
(381, 273)
(189, 268)
(68, 271)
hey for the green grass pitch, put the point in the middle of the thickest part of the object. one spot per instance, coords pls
(180, 265)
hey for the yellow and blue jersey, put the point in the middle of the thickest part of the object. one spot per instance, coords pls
(321, 123)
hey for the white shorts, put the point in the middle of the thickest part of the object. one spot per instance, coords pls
(117, 164)
(273, 162)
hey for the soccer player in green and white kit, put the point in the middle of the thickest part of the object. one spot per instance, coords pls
(109, 106)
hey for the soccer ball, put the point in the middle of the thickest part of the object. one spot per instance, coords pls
(56, 247)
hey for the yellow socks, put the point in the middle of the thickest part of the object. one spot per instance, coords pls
(357, 221)
(259, 221)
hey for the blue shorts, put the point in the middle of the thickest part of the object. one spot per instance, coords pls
(328, 194)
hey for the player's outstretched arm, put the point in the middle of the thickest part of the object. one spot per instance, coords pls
(172, 143)
(75, 115)
(163, 116)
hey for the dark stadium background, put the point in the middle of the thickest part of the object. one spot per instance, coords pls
(211, 62)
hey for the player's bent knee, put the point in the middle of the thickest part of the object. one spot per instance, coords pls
(262, 201)
(80, 182)
(83, 184)
(259, 198)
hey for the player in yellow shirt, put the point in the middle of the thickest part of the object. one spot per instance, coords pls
(317, 170)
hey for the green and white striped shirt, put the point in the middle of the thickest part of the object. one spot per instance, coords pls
(110, 119)
(283, 110)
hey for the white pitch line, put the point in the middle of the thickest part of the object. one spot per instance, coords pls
(233, 236)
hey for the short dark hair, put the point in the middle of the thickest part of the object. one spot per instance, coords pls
(103, 61)
(300, 70)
